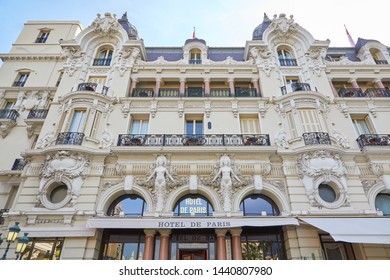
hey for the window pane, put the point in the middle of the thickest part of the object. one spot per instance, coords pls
(193, 206)
(327, 193)
(77, 121)
(382, 203)
(254, 205)
(190, 127)
(144, 127)
(135, 126)
(199, 127)
(128, 205)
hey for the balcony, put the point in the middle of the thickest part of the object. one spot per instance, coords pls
(380, 61)
(19, 164)
(245, 92)
(37, 114)
(142, 92)
(95, 87)
(316, 138)
(193, 140)
(293, 87)
(70, 138)
(168, 92)
(101, 62)
(288, 62)
(220, 92)
(194, 92)
(373, 140)
(9, 114)
(351, 92)
(377, 92)
(195, 61)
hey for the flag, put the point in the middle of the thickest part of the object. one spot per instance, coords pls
(349, 37)
(193, 34)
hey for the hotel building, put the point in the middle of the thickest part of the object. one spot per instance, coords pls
(111, 149)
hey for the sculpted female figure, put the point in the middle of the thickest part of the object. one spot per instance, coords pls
(226, 180)
(160, 171)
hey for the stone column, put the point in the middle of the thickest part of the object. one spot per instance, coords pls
(231, 86)
(255, 84)
(157, 88)
(379, 83)
(182, 86)
(354, 83)
(164, 244)
(236, 243)
(207, 86)
(149, 244)
(133, 85)
(221, 243)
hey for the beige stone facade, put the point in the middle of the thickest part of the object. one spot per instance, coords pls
(279, 149)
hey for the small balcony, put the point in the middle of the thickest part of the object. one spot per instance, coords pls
(245, 92)
(195, 61)
(193, 140)
(37, 114)
(70, 138)
(194, 92)
(9, 114)
(101, 62)
(293, 87)
(142, 92)
(316, 138)
(377, 92)
(95, 87)
(380, 61)
(351, 92)
(168, 92)
(288, 62)
(373, 140)
(19, 164)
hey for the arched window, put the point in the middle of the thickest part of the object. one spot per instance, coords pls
(127, 205)
(104, 56)
(195, 56)
(193, 205)
(259, 205)
(382, 203)
(286, 57)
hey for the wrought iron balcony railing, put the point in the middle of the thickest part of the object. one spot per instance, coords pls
(70, 138)
(377, 92)
(293, 87)
(102, 62)
(95, 87)
(195, 61)
(37, 114)
(220, 92)
(142, 92)
(193, 140)
(194, 92)
(380, 61)
(19, 164)
(245, 92)
(168, 92)
(288, 62)
(316, 138)
(351, 92)
(10, 114)
(373, 140)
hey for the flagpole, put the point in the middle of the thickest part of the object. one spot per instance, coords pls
(351, 41)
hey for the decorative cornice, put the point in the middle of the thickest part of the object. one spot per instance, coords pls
(27, 57)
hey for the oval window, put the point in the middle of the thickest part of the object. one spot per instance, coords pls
(327, 193)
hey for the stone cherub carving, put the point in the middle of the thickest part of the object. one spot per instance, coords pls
(160, 172)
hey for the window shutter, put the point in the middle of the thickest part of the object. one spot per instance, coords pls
(309, 121)
(291, 124)
(250, 126)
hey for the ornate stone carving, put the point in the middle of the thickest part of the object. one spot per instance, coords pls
(263, 58)
(107, 25)
(207, 108)
(180, 108)
(315, 57)
(74, 57)
(127, 58)
(46, 140)
(107, 139)
(235, 108)
(5, 128)
(368, 184)
(282, 26)
(125, 109)
(343, 108)
(153, 108)
(281, 139)
(279, 185)
(262, 108)
(341, 139)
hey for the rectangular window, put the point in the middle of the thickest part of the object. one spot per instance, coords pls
(291, 124)
(309, 120)
(43, 249)
(97, 79)
(139, 126)
(78, 121)
(249, 125)
(362, 125)
(194, 127)
(42, 37)
(21, 80)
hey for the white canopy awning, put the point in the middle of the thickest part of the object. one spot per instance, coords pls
(177, 222)
(354, 230)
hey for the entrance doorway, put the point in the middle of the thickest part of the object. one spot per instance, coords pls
(193, 255)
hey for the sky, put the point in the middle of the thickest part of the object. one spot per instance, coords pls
(222, 23)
